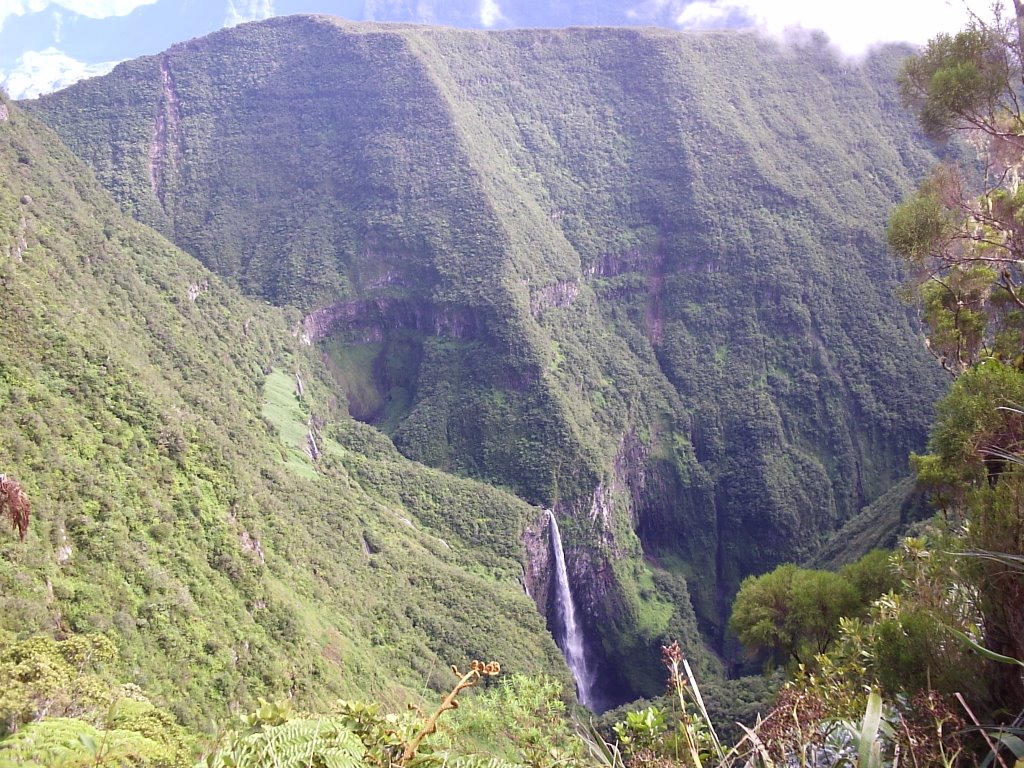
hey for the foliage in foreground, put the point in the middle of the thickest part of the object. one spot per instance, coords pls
(961, 236)
(834, 717)
(803, 728)
(60, 706)
(355, 734)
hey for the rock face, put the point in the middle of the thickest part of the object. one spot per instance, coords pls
(373, 319)
(635, 276)
(537, 570)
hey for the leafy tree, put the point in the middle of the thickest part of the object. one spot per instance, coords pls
(74, 743)
(793, 612)
(908, 648)
(57, 709)
(962, 234)
(42, 677)
(975, 470)
(872, 575)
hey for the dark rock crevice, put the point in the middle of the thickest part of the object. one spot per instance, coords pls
(368, 319)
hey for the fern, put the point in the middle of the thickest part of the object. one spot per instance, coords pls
(70, 743)
(298, 743)
(478, 761)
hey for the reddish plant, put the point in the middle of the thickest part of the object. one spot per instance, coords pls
(14, 504)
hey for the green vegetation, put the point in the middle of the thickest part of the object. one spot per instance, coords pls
(943, 644)
(635, 276)
(795, 612)
(961, 234)
(593, 270)
(58, 707)
(154, 446)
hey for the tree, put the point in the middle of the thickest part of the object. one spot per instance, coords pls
(975, 468)
(962, 232)
(42, 677)
(792, 612)
(962, 236)
(872, 575)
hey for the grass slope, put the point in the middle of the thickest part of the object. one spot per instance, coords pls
(149, 419)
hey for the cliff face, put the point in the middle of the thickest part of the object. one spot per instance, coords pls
(635, 276)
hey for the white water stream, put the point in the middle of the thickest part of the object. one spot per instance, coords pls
(570, 636)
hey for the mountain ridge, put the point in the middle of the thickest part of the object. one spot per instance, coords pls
(633, 275)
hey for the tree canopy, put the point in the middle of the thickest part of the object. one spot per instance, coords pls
(962, 236)
(962, 232)
(794, 612)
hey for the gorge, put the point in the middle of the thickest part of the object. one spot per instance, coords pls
(634, 277)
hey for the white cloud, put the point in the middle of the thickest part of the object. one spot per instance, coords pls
(94, 9)
(490, 13)
(248, 10)
(852, 26)
(101, 9)
(49, 70)
(700, 15)
(10, 8)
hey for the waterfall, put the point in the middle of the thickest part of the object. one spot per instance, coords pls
(569, 633)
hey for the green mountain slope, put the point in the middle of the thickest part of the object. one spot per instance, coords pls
(150, 414)
(880, 525)
(635, 276)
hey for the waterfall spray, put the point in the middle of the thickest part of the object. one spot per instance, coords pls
(570, 636)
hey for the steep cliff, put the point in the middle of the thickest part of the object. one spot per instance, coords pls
(634, 276)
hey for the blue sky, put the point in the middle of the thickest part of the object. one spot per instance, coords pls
(47, 44)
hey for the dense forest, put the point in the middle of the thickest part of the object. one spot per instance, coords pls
(605, 269)
(159, 439)
(322, 326)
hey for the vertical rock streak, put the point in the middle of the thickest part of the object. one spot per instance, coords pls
(569, 633)
(165, 130)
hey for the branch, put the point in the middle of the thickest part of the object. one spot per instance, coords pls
(981, 728)
(468, 680)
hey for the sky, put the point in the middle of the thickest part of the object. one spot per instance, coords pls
(48, 44)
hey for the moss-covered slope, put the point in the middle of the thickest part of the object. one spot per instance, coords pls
(634, 275)
(150, 414)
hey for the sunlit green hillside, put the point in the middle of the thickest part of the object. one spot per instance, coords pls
(151, 415)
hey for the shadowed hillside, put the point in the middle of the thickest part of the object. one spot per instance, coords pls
(635, 276)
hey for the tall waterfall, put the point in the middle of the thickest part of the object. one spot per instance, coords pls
(569, 633)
